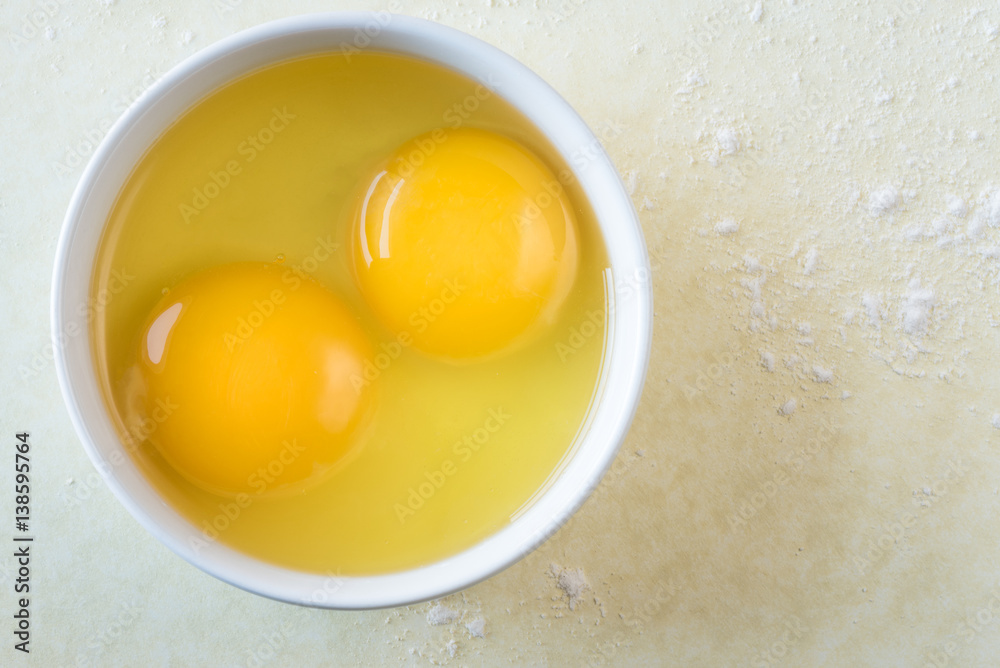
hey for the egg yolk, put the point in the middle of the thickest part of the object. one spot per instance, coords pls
(251, 375)
(464, 242)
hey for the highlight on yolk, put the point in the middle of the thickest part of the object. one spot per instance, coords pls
(464, 241)
(251, 374)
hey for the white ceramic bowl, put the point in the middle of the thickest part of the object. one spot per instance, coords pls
(629, 327)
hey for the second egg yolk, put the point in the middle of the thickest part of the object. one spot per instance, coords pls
(464, 241)
(251, 376)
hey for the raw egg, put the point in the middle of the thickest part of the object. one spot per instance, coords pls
(464, 242)
(419, 374)
(251, 373)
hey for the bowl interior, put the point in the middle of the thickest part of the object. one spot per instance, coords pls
(627, 285)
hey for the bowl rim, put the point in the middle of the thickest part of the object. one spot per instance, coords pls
(626, 360)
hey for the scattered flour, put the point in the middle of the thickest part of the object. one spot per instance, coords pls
(995, 421)
(571, 580)
(821, 375)
(726, 227)
(987, 213)
(757, 12)
(728, 140)
(694, 78)
(767, 361)
(913, 233)
(957, 206)
(751, 264)
(916, 308)
(440, 615)
(476, 628)
(789, 407)
(883, 200)
(941, 227)
(810, 262)
(874, 309)
(975, 227)
(990, 207)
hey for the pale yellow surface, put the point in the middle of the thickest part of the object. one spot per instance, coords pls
(874, 533)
